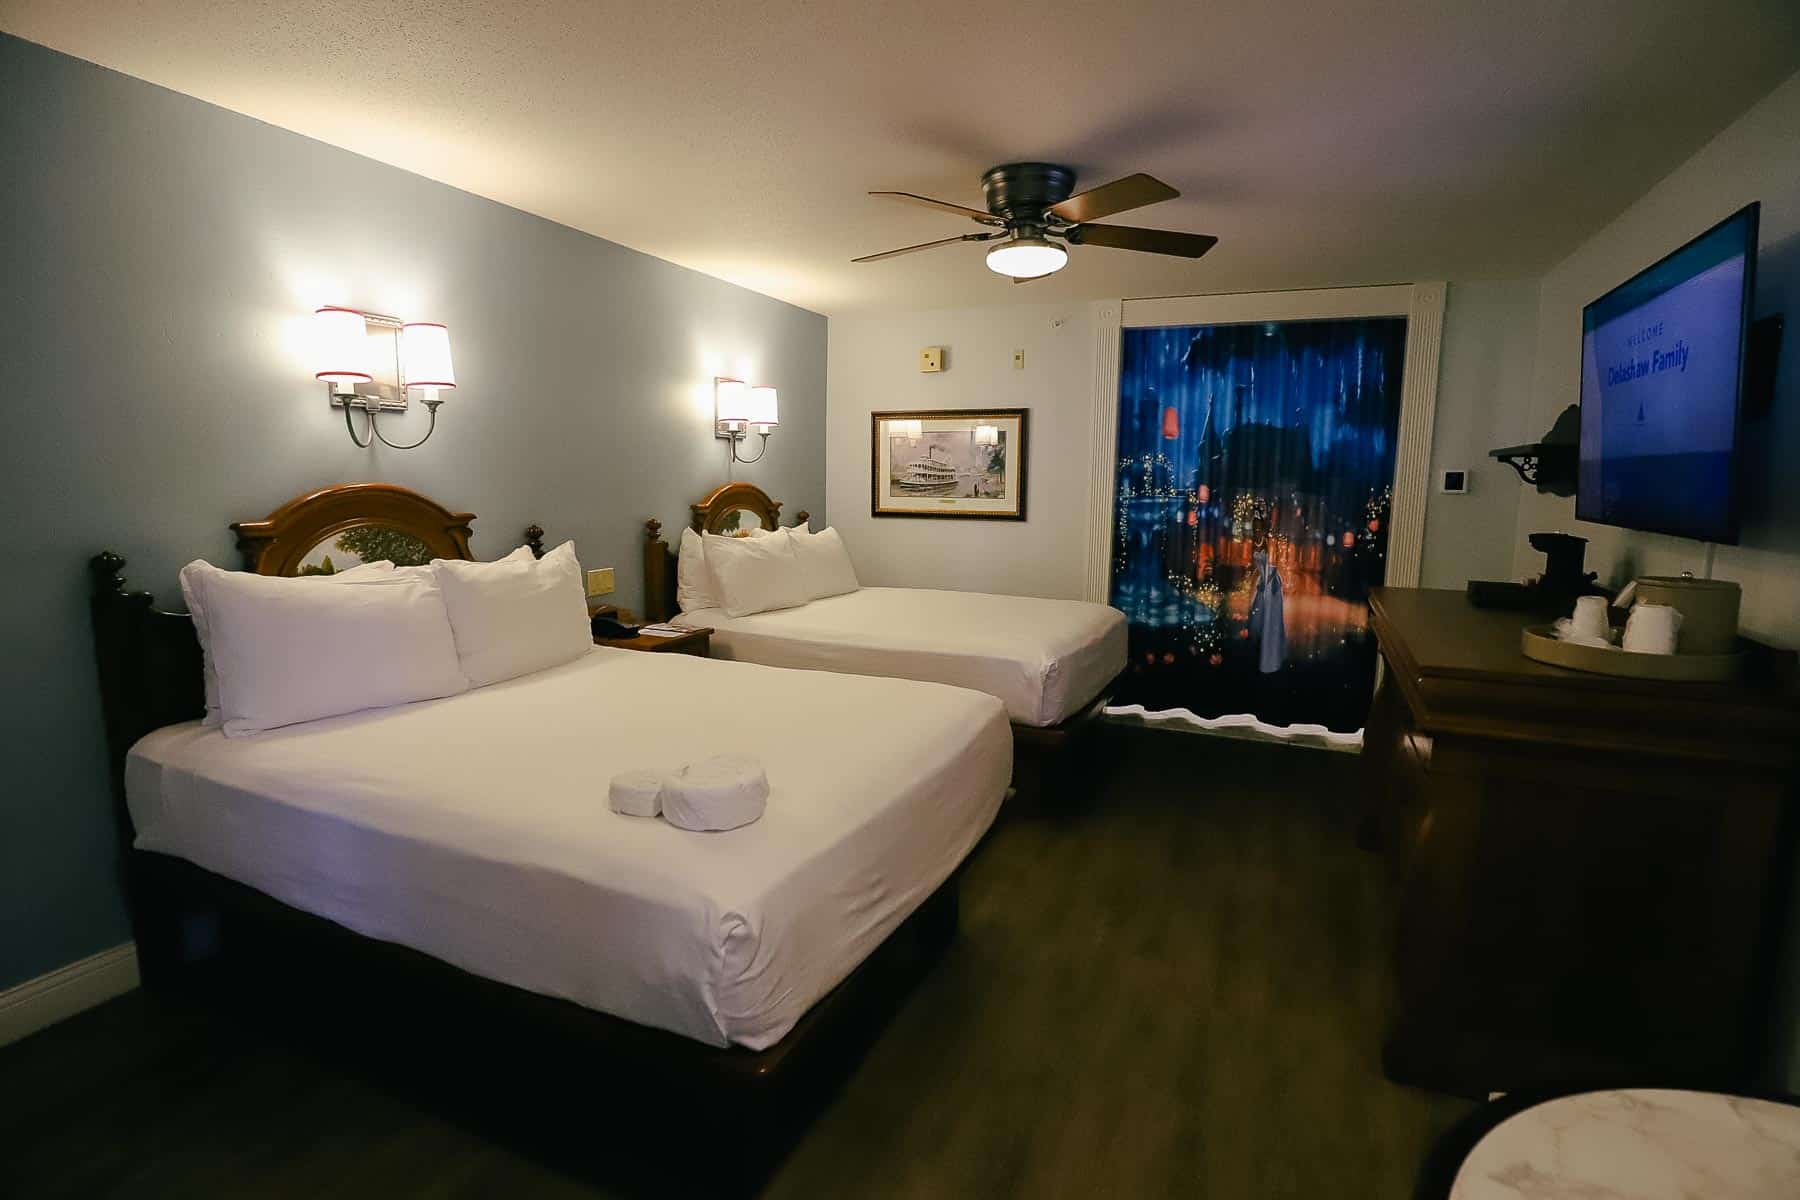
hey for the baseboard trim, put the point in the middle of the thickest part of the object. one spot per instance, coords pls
(59, 994)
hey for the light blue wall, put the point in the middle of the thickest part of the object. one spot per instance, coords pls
(159, 257)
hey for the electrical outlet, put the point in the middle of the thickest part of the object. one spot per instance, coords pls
(1018, 360)
(600, 581)
(931, 358)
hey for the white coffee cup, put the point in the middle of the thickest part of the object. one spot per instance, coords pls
(1652, 628)
(1590, 617)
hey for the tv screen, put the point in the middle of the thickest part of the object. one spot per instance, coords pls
(1662, 369)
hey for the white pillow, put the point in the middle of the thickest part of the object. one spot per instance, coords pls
(695, 587)
(190, 592)
(755, 574)
(824, 563)
(517, 615)
(288, 650)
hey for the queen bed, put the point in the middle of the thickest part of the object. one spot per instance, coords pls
(474, 832)
(1051, 662)
(1046, 660)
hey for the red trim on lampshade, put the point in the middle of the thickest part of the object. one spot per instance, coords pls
(426, 383)
(335, 376)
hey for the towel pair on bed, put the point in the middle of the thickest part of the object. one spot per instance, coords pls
(722, 792)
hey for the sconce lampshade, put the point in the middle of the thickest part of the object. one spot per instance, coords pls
(731, 401)
(342, 346)
(1171, 423)
(762, 410)
(425, 355)
(987, 435)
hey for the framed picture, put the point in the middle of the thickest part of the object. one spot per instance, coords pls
(948, 463)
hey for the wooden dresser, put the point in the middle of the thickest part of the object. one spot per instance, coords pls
(1589, 872)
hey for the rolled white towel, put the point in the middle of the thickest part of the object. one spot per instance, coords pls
(638, 793)
(1567, 632)
(717, 793)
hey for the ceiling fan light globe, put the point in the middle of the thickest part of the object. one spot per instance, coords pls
(1026, 258)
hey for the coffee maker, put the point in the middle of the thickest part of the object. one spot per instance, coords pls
(1555, 591)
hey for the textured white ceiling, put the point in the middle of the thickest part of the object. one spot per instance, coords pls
(1323, 143)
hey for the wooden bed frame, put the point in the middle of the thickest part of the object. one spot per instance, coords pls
(1047, 759)
(150, 676)
(708, 517)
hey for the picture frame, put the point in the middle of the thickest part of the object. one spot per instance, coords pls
(968, 464)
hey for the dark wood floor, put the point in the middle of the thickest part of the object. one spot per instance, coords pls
(1175, 990)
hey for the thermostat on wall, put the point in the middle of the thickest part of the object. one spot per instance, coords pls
(1454, 482)
(931, 358)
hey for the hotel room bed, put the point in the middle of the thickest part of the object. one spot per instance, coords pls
(1045, 660)
(1051, 662)
(504, 859)
(467, 842)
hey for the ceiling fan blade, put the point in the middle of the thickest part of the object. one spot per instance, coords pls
(1151, 241)
(965, 237)
(945, 206)
(1133, 191)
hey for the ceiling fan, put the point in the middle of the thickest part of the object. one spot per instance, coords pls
(1030, 211)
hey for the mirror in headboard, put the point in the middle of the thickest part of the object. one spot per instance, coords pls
(737, 522)
(736, 508)
(731, 509)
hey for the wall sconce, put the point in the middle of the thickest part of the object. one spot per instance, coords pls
(740, 410)
(372, 362)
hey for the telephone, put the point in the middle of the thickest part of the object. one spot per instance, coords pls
(611, 627)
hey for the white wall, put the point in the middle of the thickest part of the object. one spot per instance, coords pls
(1756, 157)
(1489, 337)
(873, 364)
(1484, 393)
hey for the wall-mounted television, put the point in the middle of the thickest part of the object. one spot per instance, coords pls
(1662, 381)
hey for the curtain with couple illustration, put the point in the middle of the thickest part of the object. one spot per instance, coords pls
(1253, 489)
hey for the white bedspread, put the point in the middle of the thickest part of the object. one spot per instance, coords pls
(1043, 658)
(477, 829)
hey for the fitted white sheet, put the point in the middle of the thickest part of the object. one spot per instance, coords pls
(477, 828)
(1044, 659)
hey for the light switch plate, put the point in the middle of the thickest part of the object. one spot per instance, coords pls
(1018, 360)
(600, 581)
(931, 358)
(1454, 481)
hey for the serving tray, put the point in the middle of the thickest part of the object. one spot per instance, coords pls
(1541, 643)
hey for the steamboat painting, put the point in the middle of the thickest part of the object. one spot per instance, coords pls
(949, 463)
(1253, 485)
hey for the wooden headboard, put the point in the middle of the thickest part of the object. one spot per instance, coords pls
(363, 522)
(149, 659)
(710, 515)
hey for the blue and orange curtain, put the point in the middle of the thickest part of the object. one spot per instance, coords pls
(1251, 514)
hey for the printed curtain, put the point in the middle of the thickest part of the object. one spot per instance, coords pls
(1253, 483)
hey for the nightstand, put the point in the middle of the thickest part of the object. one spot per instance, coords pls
(695, 642)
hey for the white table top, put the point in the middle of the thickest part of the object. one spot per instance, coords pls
(1641, 1144)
